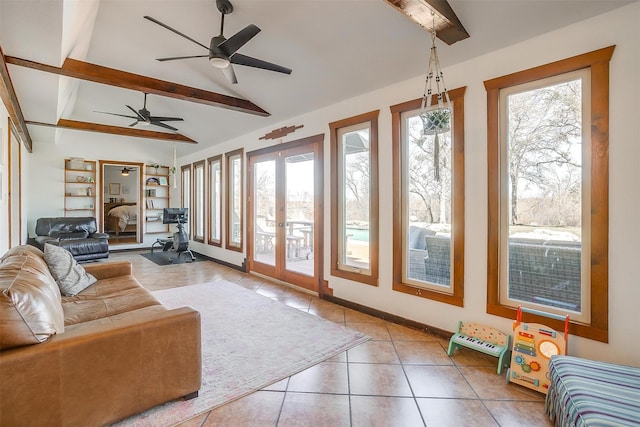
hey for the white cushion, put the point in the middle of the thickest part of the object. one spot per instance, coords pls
(70, 276)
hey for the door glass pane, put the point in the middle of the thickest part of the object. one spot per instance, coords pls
(264, 212)
(299, 227)
(428, 189)
(354, 197)
(544, 185)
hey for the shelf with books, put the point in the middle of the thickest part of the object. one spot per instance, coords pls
(157, 194)
(79, 187)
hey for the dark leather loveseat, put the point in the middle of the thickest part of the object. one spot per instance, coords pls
(78, 235)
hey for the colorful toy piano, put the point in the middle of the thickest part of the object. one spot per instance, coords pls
(533, 346)
(481, 338)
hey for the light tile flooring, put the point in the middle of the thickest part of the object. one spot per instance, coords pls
(401, 377)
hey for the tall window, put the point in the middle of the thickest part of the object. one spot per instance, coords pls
(215, 200)
(185, 172)
(354, 201)
(429, 203)
(548, 184)
(198, 201)
(234, 200)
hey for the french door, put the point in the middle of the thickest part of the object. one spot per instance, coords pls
(285, 212)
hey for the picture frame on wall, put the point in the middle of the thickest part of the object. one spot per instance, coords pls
(114, 188)
(125, 189)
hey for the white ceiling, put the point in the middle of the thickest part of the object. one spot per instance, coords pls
(337, 49)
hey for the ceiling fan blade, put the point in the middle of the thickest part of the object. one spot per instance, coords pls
(248, 61)
(138, 115)
(115, 114)
(165, 119)
(181, 57)
(134, 123)
(230, 74)
(155, 21)
(163, 125)
(235, 42)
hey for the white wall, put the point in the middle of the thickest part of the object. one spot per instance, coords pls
(46, 189)
(113, 175)
(615, 28)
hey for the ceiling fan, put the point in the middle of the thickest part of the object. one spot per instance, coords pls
(223, 51)
(144, 117)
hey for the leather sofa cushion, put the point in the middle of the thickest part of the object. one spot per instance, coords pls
(106, 298)
(70, 235)
(21, 250)
(47, 226)
(30, 301)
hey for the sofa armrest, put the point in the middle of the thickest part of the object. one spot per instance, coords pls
(106, 270)
(103, 371)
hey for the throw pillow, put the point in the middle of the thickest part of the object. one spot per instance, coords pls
(70, 276)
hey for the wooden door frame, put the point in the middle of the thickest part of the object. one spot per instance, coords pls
(317, 141)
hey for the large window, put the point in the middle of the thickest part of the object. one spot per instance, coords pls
(548, 192)
(198, 201)
(354, 198)
(428, 238)
(185, 172)
(215, 200)
(234, 199)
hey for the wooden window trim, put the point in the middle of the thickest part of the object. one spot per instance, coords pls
(598, 62)
(229, 156)
(374, 212)
(457, 297)
(209, 200)
(196, 192)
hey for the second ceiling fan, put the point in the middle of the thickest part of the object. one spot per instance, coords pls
(222, 51)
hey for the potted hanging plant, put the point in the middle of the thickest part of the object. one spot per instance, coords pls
(437, 120)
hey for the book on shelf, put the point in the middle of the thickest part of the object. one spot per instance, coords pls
(151, 192)
(150, 204)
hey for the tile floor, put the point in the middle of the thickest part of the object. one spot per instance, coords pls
(401, 377)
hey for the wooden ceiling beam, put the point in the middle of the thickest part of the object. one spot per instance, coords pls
(110, 76)
(449, 29)
(116, 130)
(10, 100)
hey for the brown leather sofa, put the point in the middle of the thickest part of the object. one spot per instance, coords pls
(108, 352)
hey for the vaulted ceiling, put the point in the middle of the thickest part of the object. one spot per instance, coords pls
(337, 49)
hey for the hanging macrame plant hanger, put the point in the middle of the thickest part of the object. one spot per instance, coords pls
(435, 110)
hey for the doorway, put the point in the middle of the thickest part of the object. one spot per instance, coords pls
(285, 212)
(120, 201)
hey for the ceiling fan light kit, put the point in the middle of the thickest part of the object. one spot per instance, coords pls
(222, 51)
(143, 117)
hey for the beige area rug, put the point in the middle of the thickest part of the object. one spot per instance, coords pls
(248, 342)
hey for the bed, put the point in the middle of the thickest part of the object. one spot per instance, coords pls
(588, 393)
(120, 218)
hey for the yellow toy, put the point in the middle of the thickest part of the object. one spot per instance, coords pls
(533, 345)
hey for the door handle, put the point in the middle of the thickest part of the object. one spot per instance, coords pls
(281, 224)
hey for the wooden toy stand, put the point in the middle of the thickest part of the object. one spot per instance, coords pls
(533, 345)
(481, 338)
